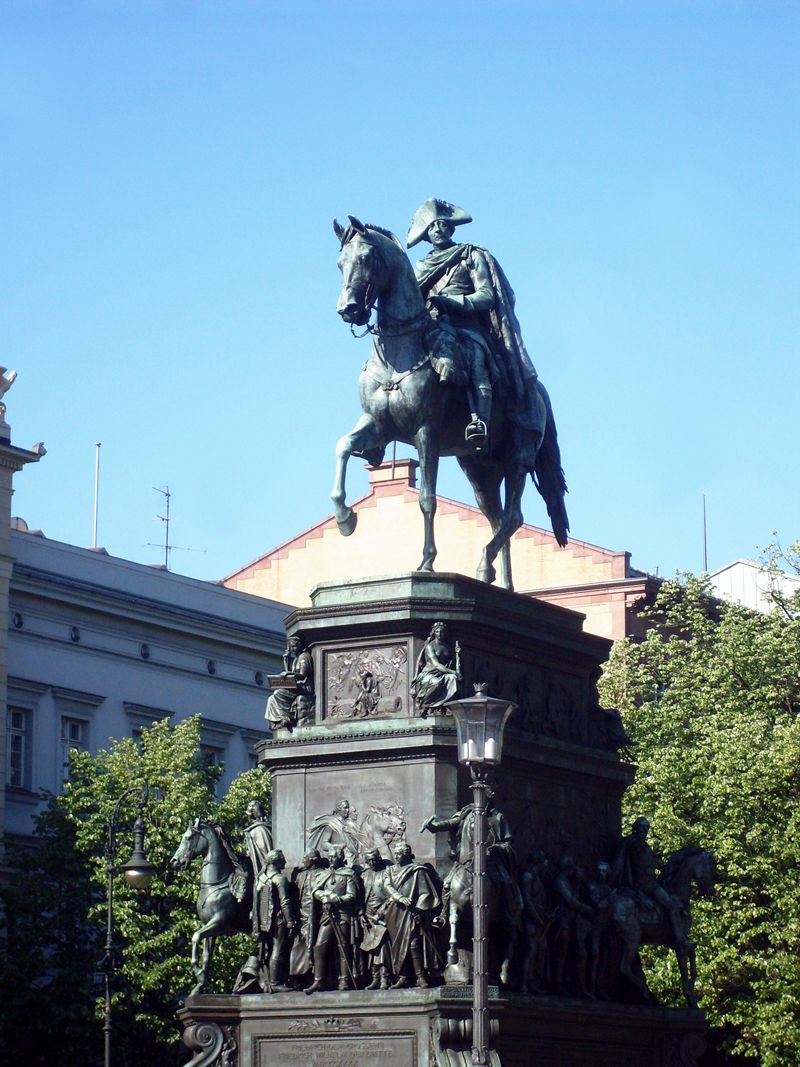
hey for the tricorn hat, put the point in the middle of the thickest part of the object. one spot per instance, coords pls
(429, 212)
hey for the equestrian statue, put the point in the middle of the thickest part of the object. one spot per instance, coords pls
(449, 374)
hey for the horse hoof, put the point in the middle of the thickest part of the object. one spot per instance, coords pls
(348, 523)
(486, 573)
(197, 990)
(426, 566)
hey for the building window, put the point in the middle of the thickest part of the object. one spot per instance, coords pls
(18, 748)
(212, 755)
(74, 738)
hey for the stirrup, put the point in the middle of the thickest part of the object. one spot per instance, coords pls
(476, 434)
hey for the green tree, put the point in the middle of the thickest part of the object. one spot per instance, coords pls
(710, 699)
(153, 927)
(47, 992)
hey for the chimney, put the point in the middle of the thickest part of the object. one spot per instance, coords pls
(402, 474)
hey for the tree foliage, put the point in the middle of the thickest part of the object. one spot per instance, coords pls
(152, 927)
(711, 699)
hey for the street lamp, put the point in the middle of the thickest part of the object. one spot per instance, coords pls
(480, 721)
(138, 873)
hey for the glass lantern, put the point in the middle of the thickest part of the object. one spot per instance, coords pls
(480, 721)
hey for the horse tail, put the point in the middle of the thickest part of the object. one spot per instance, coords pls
(548, 474)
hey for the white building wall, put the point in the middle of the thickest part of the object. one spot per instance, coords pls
(106, 646)
(743, 582)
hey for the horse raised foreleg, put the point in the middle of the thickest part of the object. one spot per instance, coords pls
(428, 449)
(364, 437)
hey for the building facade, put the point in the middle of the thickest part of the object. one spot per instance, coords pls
(99, 647)
(744, 582)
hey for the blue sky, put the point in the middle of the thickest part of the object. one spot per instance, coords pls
(169, 270)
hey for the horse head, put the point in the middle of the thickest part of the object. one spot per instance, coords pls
(689, 866)
(193, 844)
(365, 270)
(704, 872)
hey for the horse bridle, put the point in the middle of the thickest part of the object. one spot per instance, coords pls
(406, 326)
(196, 832)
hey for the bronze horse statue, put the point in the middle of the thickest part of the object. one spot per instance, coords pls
(224, 901)
(402, 399)
(503, 914)
(639, 922)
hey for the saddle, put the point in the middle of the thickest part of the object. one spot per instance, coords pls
(444, 352)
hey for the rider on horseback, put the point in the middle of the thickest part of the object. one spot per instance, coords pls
(474, 304)
(502, 863)
(634, 869)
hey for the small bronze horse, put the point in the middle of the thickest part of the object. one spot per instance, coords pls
(225, 898)
(403, 400)
(640, 924)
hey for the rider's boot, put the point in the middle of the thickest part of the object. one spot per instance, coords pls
(477, 432)
(419, 966)
(400, 983)
(376, 978)
(384, 977)
(345, 981)
(319, 970)
(274, 978)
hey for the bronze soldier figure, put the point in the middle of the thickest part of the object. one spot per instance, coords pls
(536, 918)
(569, 929)
(413, 901)
(273, 925)
(304, 880)
(375, 936)
(336, 895)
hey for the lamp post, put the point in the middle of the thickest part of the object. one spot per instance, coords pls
(138, 872)
(480, 721)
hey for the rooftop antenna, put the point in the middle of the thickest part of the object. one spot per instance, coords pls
(165, 518)
(96, 491)
(705, 538)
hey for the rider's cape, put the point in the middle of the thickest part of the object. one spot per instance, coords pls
(417, 884)
(513, 375)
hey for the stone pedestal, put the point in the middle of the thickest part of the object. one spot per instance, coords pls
(430, 1028)
(559, 785)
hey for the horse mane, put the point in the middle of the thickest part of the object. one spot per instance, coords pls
(677, 860)
(224, 841)
(350, 231)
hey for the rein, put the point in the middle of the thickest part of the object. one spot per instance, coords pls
(403, 326)
(391, 383)
(394, 327)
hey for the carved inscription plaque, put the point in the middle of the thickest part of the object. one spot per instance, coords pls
(366, 683)
(337, 1050)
